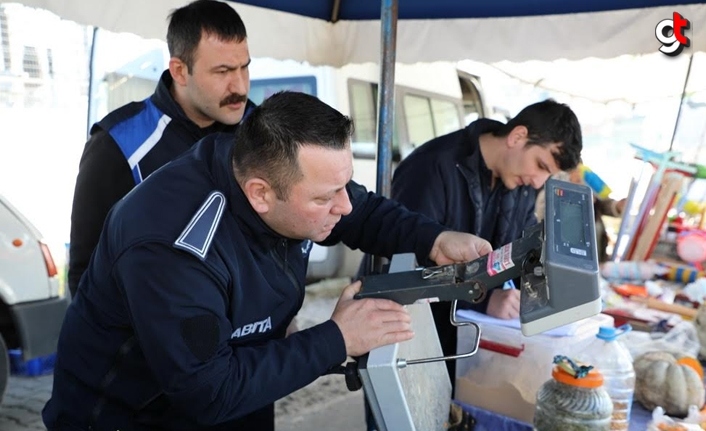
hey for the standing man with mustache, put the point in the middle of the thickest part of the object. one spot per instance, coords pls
(204, 91)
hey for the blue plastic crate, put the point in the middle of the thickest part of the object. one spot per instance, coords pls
(34, 367)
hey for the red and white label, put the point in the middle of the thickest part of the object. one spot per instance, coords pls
(500, 260)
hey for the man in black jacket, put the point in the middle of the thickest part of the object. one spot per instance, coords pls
(483, 179)
(180, 319)
(203, 91)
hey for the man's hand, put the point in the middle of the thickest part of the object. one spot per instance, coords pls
(370, 323)
(620, 206)
(293, 327)
(504, 304)
(454, 247)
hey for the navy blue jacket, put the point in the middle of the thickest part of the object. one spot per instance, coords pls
(125, 147)
(445, 179)
(179, 321)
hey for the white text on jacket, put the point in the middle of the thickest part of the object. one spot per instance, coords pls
(251, 328)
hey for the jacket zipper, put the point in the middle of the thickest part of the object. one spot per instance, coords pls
(285, 267)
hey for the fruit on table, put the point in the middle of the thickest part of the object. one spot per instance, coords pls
(661, 380)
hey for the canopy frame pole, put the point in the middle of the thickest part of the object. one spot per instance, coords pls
(386, 103)
(681, 102)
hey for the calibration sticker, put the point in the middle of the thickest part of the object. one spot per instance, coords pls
(500, 260)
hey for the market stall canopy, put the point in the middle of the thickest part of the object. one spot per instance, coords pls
(631, 79)
(338, 32)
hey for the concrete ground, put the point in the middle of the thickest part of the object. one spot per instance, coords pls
(342, 414)
(25, 397)
(22, 406)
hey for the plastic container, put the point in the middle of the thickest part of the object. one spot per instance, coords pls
(614, 361)
(30, 368)
(568, 403)
(515, 394)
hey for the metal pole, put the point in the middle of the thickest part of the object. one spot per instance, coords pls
(386, 96)
(91, 73)
(681, 101)
(386, 104)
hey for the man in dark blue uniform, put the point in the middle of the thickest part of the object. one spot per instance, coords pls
(203, 91)
(179, 321)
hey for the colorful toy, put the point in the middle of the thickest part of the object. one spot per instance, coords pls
(682, 273)
(667, 159)
(591, 179)
(691, 247)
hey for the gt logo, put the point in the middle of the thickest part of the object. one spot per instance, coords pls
(670, 32)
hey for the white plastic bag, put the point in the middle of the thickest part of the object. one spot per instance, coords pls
(662, 422)
(682, 338)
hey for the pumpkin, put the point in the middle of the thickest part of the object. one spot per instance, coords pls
(661, 380)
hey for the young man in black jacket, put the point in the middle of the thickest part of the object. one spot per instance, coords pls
(204, 91)
(483, 179)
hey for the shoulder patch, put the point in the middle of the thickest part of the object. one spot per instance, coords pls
(138, 134)
(198, 234)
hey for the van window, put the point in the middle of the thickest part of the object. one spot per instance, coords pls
(427, 116)
(363, 99)
(472, 101)
(261, 89)
(445, 116)
(419, 119)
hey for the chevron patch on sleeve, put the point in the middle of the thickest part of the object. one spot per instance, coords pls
(198, 234)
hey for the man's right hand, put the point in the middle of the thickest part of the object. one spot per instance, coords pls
(370, 323)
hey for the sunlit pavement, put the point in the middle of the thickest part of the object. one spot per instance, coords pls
(21, 409)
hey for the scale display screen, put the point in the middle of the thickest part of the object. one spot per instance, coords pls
(571, 223)
(569, 290)
(571, 215)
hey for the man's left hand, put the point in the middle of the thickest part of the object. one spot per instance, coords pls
(504, 304)
(453, 247)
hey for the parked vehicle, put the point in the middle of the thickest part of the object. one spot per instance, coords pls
(32, 304)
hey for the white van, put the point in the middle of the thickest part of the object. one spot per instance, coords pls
(32, 306)
(431, 99)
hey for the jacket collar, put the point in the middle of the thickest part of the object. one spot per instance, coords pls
(472, 166)
(163, 99)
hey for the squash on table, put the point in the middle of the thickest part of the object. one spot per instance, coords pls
(661, 380)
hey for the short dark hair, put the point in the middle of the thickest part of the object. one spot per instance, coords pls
(267, 141)
(550, 122)
(188, 23)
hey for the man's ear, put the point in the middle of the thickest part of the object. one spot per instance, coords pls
(259, 194)
(517, 137)
(178, 70)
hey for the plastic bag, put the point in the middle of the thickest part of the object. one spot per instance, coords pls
(694, 421)
(682, 338)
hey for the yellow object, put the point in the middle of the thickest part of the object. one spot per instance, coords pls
(693, 208)
(600, 188)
